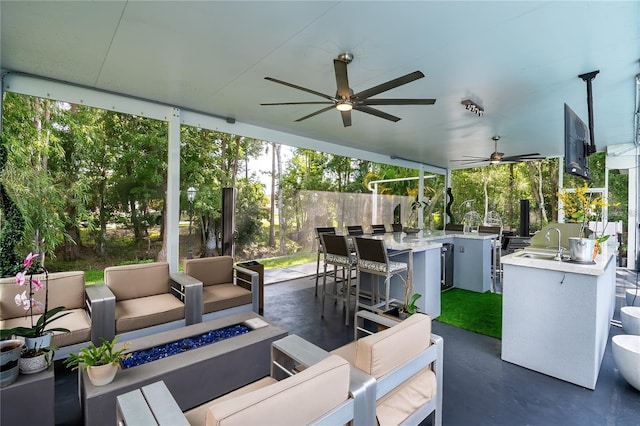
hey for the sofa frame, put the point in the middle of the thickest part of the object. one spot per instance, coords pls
(101, 303)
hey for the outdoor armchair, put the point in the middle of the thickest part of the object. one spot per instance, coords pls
(406, 361)
(226, 288)
(146, 298)
(65, 289)
(327, 391)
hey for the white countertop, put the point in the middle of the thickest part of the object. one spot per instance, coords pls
(596, 268)
(426, 240)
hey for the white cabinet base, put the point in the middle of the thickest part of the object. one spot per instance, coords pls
(557, 322)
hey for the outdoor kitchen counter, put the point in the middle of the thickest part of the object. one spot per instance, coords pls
(472, 254)
(472, 264)
(556, 315)
(597, 268)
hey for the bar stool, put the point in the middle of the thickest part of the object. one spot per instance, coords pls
(373, 258)
(378, 229)
(355, 230)
(320, 231)
(337, 253)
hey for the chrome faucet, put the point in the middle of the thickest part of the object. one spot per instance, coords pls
(560, 248)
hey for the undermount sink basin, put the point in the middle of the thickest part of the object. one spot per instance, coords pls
(541, 255)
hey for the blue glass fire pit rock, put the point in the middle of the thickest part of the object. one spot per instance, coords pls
(144, 356)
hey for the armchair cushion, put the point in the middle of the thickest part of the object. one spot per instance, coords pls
(197, 416)
(219, 291)
(140, 280)
(65, 289)
(382, 352)
(224, 296)
(296, 400)
(142, 312)
(211, 270)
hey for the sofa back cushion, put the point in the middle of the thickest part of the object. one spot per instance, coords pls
(65, 289)
(210, 270)
(381, 352)
(296, 400)
(141, 280)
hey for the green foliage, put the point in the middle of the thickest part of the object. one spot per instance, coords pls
(101, 355)
(72, 170)
(411, 307)
(11, 232)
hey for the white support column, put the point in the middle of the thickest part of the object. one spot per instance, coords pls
(633, 244)
(172, 209)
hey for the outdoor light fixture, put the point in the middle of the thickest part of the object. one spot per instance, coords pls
(473, 107)
(191, 194)
(344, 105)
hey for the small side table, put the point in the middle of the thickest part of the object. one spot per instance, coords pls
(30, 400)
(382, 321)
(292, 351)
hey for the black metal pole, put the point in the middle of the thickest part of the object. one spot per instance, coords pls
(587, 78)
(190, 248)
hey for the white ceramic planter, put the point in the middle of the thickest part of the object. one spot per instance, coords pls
(626, 353)
(101, 375)
(630, 318)
(38, 342)
(632, 297)
(34, 364)
(9, 355)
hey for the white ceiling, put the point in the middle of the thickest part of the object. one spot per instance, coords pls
(519, 59)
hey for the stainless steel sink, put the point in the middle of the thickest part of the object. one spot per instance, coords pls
(537, 254)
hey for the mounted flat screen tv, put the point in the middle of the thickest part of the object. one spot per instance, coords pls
(576, 145)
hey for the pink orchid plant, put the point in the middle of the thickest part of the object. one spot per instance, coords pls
(32, 306)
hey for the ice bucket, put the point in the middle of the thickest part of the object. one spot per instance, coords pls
(581, 249)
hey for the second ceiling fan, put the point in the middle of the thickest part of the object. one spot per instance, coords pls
(345, 100)
(498, 157)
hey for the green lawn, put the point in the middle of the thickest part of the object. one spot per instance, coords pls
(95, 276)
(478, 312)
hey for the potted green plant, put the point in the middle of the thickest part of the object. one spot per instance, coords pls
(414, 226)
(410, 306)
(37, 335)
(35, 360)
(582, 207)
(100, 362)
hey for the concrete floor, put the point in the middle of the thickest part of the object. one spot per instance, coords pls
(479, 388)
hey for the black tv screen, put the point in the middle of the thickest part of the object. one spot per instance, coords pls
(576, 146)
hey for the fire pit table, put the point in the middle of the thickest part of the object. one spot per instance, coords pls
(193, 376)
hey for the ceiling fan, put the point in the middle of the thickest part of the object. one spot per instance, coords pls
(345, 100)
(498, 157)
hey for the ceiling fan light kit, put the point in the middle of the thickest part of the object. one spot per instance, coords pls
(473, 107)
(344, 105)
(346, 100)
(499, 157)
